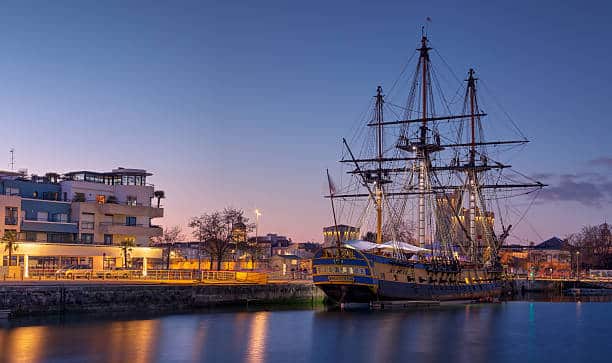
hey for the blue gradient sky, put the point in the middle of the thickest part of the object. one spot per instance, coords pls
(229, 103)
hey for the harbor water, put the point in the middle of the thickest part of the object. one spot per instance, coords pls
(507, 332)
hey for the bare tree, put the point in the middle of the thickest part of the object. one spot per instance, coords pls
(594, 244)
(168, 240)
(254, 250)
(403, 232)
(369, 236)
(197, 224)
(214, 232)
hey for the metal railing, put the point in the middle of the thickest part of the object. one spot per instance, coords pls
(289, 275)
(116, 202)
(104, 224)
(234, 277)
(47, 220)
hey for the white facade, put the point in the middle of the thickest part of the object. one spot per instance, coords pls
(140, 194)
(111, 213)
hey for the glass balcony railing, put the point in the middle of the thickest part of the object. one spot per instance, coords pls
(48, 220)
(105, 224)
(128, 203)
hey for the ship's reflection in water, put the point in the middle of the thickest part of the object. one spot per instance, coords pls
(509, 332)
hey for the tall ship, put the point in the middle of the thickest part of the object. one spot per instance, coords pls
(431, 190)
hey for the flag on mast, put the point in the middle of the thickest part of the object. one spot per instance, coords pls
(332, 186)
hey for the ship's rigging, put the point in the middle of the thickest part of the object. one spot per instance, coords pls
(437, 159)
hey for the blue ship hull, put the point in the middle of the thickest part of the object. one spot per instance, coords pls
(391, 290)
(348, 276)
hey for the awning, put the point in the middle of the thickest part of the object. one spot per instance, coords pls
(361, 245)
(407, 247)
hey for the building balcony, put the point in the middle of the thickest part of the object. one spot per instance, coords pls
(132, 229)
(117, 208)
(138, 210)
(47, 226)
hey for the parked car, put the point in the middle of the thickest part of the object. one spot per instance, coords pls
(114, 273)
(74, 272)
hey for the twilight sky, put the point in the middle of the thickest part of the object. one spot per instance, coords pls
(244, 103)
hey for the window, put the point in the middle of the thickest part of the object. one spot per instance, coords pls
(11, 191)
(59, 237)
(130, 221)
(87, 221)
(79, 197)
(131, 200)
(87, 238)
(30, 236)
(107, 219)
(42, 216)
(101, 199)
(108, 239)
(35, 194)
(60, 217)
(10, 216)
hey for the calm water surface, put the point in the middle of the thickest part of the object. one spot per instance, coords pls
(508, 332)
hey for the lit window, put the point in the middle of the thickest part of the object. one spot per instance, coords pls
(101, 199)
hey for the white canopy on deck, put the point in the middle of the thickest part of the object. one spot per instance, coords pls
(407, 247)
(361, 245)
(366, 245)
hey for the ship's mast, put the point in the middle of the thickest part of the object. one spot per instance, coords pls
(378, 185)
(472, 161)
(374, 171)
(422, 154)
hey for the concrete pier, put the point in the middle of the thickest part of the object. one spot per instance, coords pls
(30, 299)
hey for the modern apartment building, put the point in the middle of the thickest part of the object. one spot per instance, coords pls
(82, 207)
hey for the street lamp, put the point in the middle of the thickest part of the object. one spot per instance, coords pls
(577, 265)
(257, 215)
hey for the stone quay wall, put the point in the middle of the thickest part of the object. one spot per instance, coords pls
(31, 299)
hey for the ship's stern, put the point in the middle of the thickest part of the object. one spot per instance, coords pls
(344, 275)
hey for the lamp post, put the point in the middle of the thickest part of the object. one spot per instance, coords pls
(257, 215)
(577, 265)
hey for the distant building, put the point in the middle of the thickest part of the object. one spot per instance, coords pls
(290, 267)
(304, 250)
(239, 232)
(279, 245)
(344, 232)
(547, 259)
